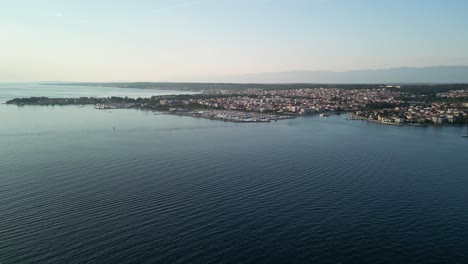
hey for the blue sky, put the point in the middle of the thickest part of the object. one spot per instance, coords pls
(142, 40)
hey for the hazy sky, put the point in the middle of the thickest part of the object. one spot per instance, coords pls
(143, 40)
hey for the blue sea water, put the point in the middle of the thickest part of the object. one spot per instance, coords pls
(170, 189)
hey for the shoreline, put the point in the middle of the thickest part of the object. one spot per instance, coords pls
(272, 117)
(408, 124)
(192, 108)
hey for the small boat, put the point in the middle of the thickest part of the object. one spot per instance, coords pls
(103, 106)
(465, 131)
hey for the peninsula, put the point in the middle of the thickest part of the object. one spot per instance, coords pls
(389, 104)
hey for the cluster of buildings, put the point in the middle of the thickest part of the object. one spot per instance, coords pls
(382, 104)
(379, 104)
(454, 94)
(436, 113)
(299, 101)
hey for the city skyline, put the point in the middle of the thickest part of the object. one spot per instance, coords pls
(170, 40)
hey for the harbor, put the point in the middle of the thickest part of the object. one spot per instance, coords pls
(231, 116)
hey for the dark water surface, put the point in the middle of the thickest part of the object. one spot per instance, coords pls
(169, 189)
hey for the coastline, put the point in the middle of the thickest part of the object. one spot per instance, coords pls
(409, 124)
(185, 106)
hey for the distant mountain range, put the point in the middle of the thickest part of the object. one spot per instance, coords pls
(439, 74)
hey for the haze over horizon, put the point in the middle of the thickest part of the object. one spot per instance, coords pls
(183, 40)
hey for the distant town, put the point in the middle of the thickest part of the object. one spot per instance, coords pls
(389, 104)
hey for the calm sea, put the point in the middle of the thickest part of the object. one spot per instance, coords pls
(170, 189)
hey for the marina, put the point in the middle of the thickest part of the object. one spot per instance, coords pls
(233, 116)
